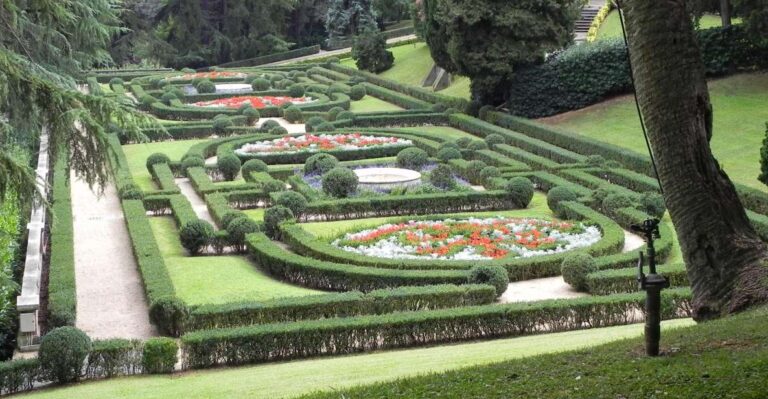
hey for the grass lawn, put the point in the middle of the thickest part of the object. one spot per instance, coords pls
(740, 111)
(255, 214)
(328, 230)
(727, 358)
(449, 133)
(458, 88)
(611, 27)
(137, 155)
(215, 279)
(372, 104)
(290, 379)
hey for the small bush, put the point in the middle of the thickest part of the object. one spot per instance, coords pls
(167, 97)
(252, 114)
(270, 124)
(448, 144)
(326, 127)
(653, 204)
(344, 115)
(492, 275)
(147, 100)
(320, 163)
(442, 177)
(357, 93)
(251, 166)
(293, 201)
(206, 86)
(520, 190)
(293, 114)
(273, 186)
(159, 355)
(278, 130)
(192, 161)
(448, 153)
(463, 142)
(334, 112)
(337, 88)
(473, 170)
(559, 194)
(229, 217)
(221, 124)
(595, 161)
(130, 191)
(615, 201)
(312, 122)
(169, 315)
(575, 269)
(340, 182)
(260, 84)
(493, 139)
(229, 166)
(273, 216)
(195, 235)
(296, 90)
(62, 353)
(239, 228)
(412, 158)
(477, 145)
(115, 81)
(488, 173)
(156, 158)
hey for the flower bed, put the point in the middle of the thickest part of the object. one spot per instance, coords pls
(258, 102)
(321, 142)
(209, 75)
(470, 239)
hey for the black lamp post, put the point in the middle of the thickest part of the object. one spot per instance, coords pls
(652, 283)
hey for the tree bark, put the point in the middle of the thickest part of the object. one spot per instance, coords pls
(725, 13)
(725, 258)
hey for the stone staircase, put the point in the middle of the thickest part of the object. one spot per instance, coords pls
(588, 14)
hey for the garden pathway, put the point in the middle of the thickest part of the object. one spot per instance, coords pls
(291, 127)
(539, 289)
(198, 205)
(110, 294)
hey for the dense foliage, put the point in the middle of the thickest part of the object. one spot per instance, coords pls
(370, 54)
(62, 353)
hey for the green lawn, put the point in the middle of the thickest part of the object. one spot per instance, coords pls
(328, 230)
(372, 104)
(740, 112)
(215, 279)
(255, 214)
(458, 88)
(290, 379)
(137, 155)
(611, 27)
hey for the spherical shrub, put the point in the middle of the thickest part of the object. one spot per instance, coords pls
(340, 182)
(229, 166)
(520, 191)
(269, 124)
(488, 173)
(343, 115)
(147, 100)
(273, 216)
(156, 158)
(131, 191)
(493, 139)
(293, 114)
(477, 145)
(205, 86)
(252, 114)
(169, 314)
(195, 235)
(278, 130)
(251, 166)
(312, 122)
(239, 228)
(293, 201)
(260, 84)
(62, 353)
(334, 112)
(326, 127)
(272, 186)
(559, 194)
(192, 161)
(472, 171)
(276, 77)
(296, 90)
(448, 153)
(221, 124)
(492, 275)
(320, 163)
(115, 81)
(442, 177)
(463, 142)
(615, 201)
(229, 217)
(357, 93)
(653, 204)
(412, 158)
(167, 97)
(159, 355)
(575, 269)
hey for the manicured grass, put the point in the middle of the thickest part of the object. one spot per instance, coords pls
(216, 279)
(726, 358)
(290, 379)
(611, 27)
(255, 214)
(740, 105)
(447, 132)
(458, 88)
(137, 155)
(537, 208)
(372, 104)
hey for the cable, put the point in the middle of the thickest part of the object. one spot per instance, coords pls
(634, 92)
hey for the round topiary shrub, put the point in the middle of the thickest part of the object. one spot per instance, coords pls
(147, 100)
(493, 139)
(334, 112)
(159, 355)
(448, 153)
(472, 171)
(269, 124)
(412, 158)
(293, 201)
(205, 86)
(252, 114)
(520, 191)
(653, 204)
(559, 194)
(192, 161)
(326, 127)
(492, 275)
(221, 124)
(296, 90)
(477, 145)
(312, 122)
(340, 182)
(169, 314)
(62, 353)
(442, 177)
(273, 216)
(130, 191)
(357, 93)
(167, 97)
(293, 114)
(115, 82)
(575, 269)
(229, 217)
(157, 158)
(488, 173)
(278, 130)
(463, 142)
(239, 228)
(195, 235)
(251, 166)
(260, 84)
(344, 115)
(229, 166)
(320, 163)
(615, 201)
(272, 186)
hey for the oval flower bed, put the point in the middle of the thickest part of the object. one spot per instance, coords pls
(209, 75)
(255, 101)
(321, 142)
(470, 239)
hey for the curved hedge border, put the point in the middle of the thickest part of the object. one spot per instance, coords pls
(606, 282)
(62, 298)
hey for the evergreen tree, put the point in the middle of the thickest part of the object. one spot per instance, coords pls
(370, 52)
(350, 18)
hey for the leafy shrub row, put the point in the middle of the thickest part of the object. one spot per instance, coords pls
(396, 98)
(163, 176)
(62, 299)
(606, 282)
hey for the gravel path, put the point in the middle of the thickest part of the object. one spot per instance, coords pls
(110, 295)
(632, 241)
(539, 289)
(198, 205)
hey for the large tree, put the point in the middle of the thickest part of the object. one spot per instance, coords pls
(725, 258)
(350, 18)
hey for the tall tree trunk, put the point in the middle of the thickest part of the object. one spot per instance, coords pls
(725, 13)
(725, 258)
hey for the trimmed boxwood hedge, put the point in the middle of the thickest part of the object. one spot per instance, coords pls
(606, 282)
(163, 177)
(62, 299)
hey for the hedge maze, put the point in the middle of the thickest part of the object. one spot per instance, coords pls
(486, 165)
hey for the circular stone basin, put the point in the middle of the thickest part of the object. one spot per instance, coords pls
(387, 177)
